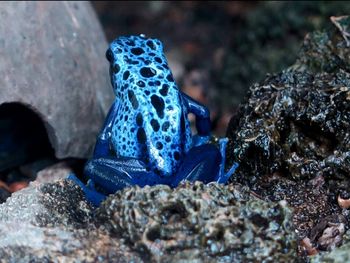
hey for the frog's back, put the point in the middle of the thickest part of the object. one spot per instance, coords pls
(151, 123)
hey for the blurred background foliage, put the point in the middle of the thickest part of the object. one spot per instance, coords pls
(216, 50)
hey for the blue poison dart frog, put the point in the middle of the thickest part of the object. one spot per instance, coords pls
(146, 138)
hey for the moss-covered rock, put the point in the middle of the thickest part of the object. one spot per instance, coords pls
(200, 222)
(292, 137)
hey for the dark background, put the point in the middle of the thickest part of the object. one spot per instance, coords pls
(217, 49)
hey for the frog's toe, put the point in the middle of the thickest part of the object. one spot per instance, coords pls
(94, 197)
(75, 179)
(224, 177)
(91, 195)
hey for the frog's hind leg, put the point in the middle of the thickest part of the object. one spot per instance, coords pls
(222, 176)
(113, 174)
(201, 163)
(108, 175)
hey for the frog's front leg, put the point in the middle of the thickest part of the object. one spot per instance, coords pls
(203, 128)
(222, 176)
(102, 143)
(203, 124)
(101, 150)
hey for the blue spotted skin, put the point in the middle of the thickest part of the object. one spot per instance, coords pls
(146, 138)
(151, 122)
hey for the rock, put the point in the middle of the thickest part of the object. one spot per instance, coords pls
(28, 243)
(30, 170)
(52, 223)
(338, 255)
(56, 172)
(332, 234)
(297, 124)
(326, 51)
(53, 63)
(200, 223)
(55, 204)
(292, 137)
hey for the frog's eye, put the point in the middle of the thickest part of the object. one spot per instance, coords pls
(109, 55)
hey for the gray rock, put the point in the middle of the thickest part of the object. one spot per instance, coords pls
(30, 170)
(53, 204)
(54, 172)
(53, 62)
(28, 243)
(52, 223)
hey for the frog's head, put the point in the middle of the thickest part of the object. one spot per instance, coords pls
(134, 57)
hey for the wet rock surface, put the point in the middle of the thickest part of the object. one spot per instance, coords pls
(292, 137)
(199, 222)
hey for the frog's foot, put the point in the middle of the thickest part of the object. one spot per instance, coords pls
(200, 164)
(91, 194)
(113, 174)
(223, 177)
